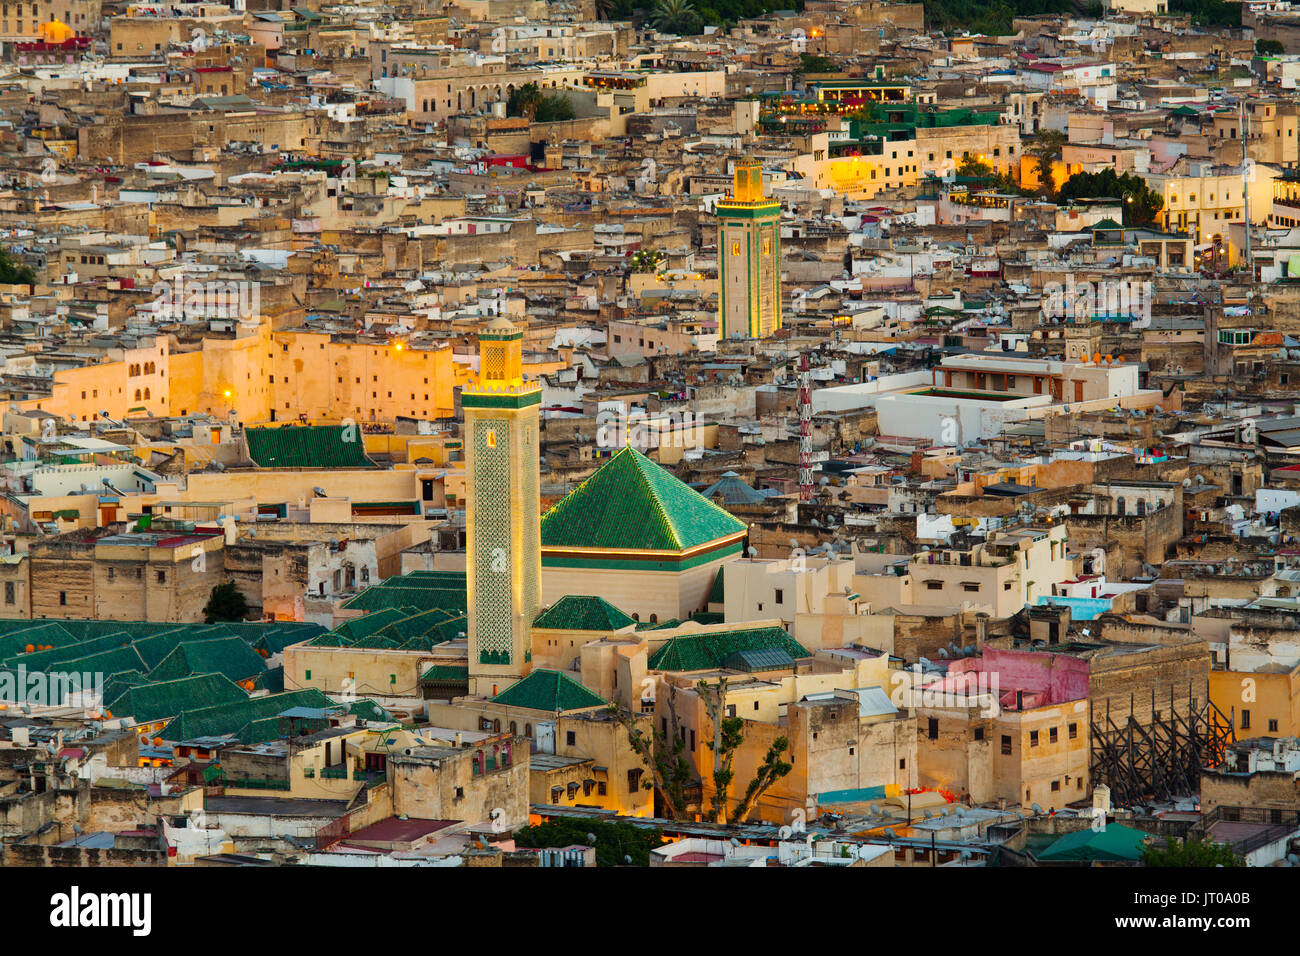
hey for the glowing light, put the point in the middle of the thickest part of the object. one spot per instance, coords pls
(228, 393)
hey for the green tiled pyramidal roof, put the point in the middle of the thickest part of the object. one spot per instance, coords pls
(158, 701)
(306, 446)
(550, 691)
(583, 612)
(228, 656)
(632, 503)
(218, 720)
(697, 652)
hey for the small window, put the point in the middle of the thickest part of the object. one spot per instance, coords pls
(1056, 786)
(780, 596)
(63, 599)
(979, 733)
(932, 729)
(1006, 745)
(1033, 738)
(1051, 736)
(571, 739)
(1074, 731)
(1272, 726)
(1245, 720)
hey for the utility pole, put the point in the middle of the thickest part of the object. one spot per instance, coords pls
(805, 430)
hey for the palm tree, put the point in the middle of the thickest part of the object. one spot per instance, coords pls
(1046, 148)
(525, 101)
(675, 16)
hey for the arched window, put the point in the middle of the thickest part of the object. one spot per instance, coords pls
(146, 394)
(1141, 507)
(636, 615)
(513, 729)
(654, 618)
(1120, 507)
(137, 395)
(528, 730)
(496, 726)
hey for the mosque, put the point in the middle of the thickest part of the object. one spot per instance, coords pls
(633, 533)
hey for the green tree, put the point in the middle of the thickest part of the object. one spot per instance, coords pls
(1141, 204)
(1046, 149)
(614, 843)
(677, 17)
(728, 735)
(817, 63)
(226, 603)
(1190, 852)
(537, 106)
(663, 753)
(524, 101)
(11, 273)
(554, 108)
(646, 260)
(1269, 47)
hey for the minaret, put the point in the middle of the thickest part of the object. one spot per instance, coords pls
(749, 258)
(502, 515)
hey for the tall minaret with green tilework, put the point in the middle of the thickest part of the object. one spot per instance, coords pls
(749, 258)
(502, 520)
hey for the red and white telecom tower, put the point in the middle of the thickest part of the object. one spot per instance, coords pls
(805, 430)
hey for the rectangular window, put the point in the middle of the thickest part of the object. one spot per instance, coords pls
(780, 596)
(979, 733)
(932, 730)
(1074, 731)
(1033, 738)
(1051, 736)
(1245, 720)
(1272, 726)
(571, 738)
(1006, 745)
(9, 592)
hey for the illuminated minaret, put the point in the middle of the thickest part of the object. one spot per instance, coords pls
(502, 519)
(749, 258)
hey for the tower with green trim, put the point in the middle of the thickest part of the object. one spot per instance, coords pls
(749, 258)
(502, 520)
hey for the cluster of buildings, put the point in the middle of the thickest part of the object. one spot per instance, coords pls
(427, 428)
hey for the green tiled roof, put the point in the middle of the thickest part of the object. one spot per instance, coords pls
(550, 691)
(158, 701)
(695, 652)
(632, 503)
(228, 656)
(446, 674)
(422, 590)
(717, 594)
(583, 612)
(43, 660)
(306, 446)
(35, 633)
(230, 717)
